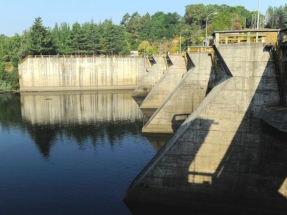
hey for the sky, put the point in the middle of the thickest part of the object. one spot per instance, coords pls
(19, 15)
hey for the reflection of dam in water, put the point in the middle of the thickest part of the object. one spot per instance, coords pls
(79, 107)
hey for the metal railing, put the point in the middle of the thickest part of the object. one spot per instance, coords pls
(265, 36)
(78, 56)
(204, 49)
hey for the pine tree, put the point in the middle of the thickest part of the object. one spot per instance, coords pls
(40, 39)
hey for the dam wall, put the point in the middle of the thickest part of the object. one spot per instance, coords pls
(58, 73)
(223, 158)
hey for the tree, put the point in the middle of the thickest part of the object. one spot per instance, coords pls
(77, 40)
(195, 13)
(92, 35)
(40, 39)
(144, 48)
(125, 19)
(64, 46)
(281, 18)
(113, 39)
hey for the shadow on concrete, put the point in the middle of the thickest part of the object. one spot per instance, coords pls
(157, 140)
(177, 120)
(138, 99)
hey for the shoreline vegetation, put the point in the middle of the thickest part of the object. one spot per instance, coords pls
(145, 34)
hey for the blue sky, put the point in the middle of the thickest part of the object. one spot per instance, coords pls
(18, 15)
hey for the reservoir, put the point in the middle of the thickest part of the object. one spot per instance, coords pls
(70, 153)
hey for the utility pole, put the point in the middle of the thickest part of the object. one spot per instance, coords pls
(258, 21)
(258, 14)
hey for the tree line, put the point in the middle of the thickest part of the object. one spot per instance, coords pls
(146, 33)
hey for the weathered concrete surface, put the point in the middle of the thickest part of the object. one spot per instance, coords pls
(275, 116)
(165, 85)
(222, 159)
(80, 73)
(189, 92)
(151, 78)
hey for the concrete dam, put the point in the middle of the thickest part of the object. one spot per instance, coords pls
(224, 107)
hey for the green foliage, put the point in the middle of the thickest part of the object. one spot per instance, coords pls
(113, 39)
(144, 48)
(221, 22)
(61, 37)
(277, 17)
(40, 39)
(77, 39)
(160, 25)
(195, 13)
(9, 48)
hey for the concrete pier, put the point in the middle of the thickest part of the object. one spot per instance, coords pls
(169, 80)
(189, 93)
(154, 73)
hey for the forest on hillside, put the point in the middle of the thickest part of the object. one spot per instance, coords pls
(147, 34)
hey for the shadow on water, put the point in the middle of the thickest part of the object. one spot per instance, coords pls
(241, 171)
(157, 140)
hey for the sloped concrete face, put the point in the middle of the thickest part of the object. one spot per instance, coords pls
(151, 78)
(222, 159)
(165, 85)
(186, 96)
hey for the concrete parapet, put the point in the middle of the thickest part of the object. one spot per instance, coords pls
(186, 96)
(165, 85)
(222, 158)
(151, 78)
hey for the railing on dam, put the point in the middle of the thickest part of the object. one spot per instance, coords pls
(78, 56)
(265, 36)
(204, 49)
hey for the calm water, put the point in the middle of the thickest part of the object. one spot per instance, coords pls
(69, 153)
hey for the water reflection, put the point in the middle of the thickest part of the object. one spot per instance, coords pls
(157, 140)
(10, 111)
(79, 116)
(92, 147)
(79, 107)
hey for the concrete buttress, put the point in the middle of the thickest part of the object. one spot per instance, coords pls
(223, 158)
(151, 78)
(165, 85)
(186, 96)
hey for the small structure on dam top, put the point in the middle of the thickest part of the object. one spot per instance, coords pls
(223, 155)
